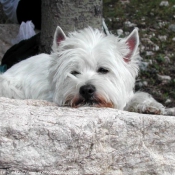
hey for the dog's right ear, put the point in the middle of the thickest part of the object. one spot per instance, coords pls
(58, 37)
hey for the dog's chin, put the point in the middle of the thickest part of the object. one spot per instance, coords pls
(97, 101)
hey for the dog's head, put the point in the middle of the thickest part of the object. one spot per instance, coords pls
(92, 69)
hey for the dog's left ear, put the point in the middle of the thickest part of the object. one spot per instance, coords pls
(133, 42)
(58, 37)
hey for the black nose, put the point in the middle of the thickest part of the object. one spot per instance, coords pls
(87, 91)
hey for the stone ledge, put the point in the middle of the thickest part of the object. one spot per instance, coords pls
(39, 137)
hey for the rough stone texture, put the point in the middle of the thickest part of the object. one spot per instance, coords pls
(39, 137)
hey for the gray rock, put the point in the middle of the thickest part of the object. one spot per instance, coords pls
(164, 3)
(168, 101)
(149, 45)
(161, 24)
(145, 83)
(119, 32)
(141, 84)
(143, 65)
(149, 53)
(164, 78)
(125, 1)
(167, 59)
(172, 27)
(129, 24)
(142, 48)
(39, 137)
(162, 37)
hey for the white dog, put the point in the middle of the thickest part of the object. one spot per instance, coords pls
(86, 68)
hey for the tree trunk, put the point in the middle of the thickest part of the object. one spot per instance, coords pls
(70, 15)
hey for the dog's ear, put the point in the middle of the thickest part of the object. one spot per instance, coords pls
(58, 37)
(133, 42)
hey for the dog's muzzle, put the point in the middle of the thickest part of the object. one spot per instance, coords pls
(88, 96)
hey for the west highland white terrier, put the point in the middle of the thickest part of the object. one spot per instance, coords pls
(85, 68)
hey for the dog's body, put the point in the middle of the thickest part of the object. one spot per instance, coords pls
(87, 68)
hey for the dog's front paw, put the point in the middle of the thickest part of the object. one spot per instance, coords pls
(152, 108)
(170, 111)
(144, 103)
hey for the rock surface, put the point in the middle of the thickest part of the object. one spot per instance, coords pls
(39, 137)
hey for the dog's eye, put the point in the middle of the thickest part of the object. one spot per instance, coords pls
(75, 73)
(103, 70)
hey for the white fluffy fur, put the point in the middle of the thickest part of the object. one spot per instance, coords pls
(49, 77)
